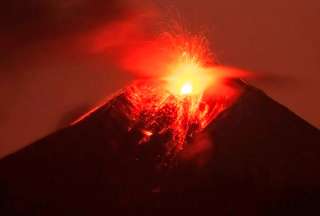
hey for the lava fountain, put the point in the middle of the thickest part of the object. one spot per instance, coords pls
(180, 91)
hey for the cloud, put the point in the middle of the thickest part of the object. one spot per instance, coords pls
(38, 19)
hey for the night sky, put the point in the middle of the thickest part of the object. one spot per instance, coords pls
(49, 75)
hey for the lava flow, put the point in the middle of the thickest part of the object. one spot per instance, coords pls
(183, 100)
(183, 94)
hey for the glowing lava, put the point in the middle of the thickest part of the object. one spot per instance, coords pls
(179, 97)
(188, 77)
(177, 105)
(186, 89)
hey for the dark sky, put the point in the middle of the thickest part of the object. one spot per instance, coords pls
(48, 77)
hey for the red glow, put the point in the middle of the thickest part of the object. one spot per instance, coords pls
(156, 110)
(182, 92)
(166, 54)
(180, 88)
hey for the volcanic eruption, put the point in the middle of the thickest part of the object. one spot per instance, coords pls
(133, 152)
(188, 92)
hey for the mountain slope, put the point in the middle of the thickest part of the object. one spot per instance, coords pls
(263, 161)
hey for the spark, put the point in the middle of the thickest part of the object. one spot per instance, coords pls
(147, 133)
(178, 102)
(174, 104)
(172, 99)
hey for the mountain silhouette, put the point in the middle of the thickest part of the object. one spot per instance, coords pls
(264, 160)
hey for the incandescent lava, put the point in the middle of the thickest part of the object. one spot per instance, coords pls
(182, 99)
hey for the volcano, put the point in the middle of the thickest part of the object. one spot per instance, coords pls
(254, 157)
